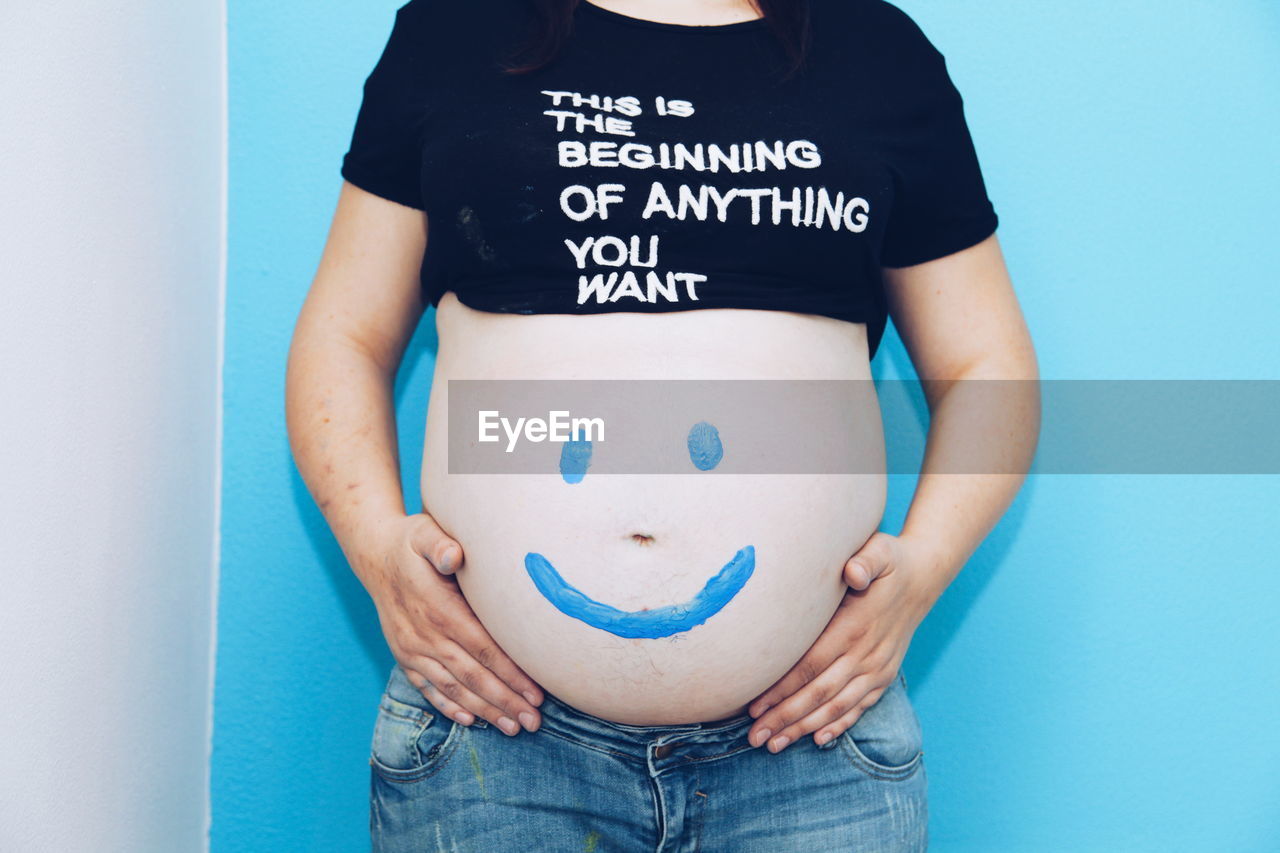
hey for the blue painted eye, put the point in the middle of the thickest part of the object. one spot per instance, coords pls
(575, 458)
(705, 449)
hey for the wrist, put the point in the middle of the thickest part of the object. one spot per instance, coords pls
(367, 544)
(933, 566)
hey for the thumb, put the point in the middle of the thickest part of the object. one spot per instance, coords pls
(434, 545)
(869, 563)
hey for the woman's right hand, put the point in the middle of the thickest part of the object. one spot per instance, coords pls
(434, 634)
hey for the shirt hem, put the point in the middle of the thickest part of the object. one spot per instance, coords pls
(379, 188)
(955, 240)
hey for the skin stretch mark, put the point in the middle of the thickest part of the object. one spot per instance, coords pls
(644, 624)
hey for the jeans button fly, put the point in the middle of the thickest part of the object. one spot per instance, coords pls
(662, 751)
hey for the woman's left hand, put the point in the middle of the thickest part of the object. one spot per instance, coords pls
(892, 587)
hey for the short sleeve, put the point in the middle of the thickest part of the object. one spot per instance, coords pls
(940, 203)
(385, 154)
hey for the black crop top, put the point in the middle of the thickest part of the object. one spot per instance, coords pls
(664, 167)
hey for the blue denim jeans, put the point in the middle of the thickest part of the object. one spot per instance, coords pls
(581, 783)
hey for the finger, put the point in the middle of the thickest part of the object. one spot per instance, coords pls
(853, 698)
(847, 720)
(447, 706)
(454, 688)
(869, 563)
(476, 677)
(496, 703)
(805, 670)
(825, 650)
(479, 643)
(799, 705)
(435, 546)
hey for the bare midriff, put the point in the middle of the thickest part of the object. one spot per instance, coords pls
(647, 542)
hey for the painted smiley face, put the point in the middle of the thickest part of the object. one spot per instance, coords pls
(705, 452)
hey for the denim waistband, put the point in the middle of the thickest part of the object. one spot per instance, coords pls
(646, 744)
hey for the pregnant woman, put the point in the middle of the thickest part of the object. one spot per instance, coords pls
(702, 657)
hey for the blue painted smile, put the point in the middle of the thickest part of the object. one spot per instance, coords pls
(705, 452)
(648, 624)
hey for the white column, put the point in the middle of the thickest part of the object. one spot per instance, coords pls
(112, 158)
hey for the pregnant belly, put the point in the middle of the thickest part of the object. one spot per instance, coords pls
(659, 602)
(653, 598)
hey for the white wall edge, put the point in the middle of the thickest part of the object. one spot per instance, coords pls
(219, 360)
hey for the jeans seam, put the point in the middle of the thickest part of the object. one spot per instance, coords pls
(718, 755)
(602, 749)
(431, 768)
(375, 815)
(879, 771)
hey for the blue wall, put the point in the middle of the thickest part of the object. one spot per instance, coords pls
(1102, 676)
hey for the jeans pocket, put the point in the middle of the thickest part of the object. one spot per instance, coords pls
(411, 739)
(887, 741)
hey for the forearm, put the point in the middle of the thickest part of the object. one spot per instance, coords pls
(982, 437)
(341, 422)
